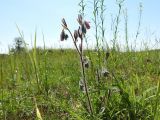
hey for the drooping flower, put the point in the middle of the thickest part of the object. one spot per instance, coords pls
(86, 62)
(81, 85)
(66, 37)
(63, 36)
(87, 25)
(104, 72)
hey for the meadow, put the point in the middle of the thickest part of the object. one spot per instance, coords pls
(104, 83)
(130, 89)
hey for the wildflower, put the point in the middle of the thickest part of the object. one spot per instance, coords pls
(80, 19)
(87, 25)
(64, 24)
(80, 33)
(86, 62)
(63, 36)
(76, 35)
(81, 85)
(104, 72)
(84, 24)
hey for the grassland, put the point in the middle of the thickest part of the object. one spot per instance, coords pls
(48, 81)
(78, 84)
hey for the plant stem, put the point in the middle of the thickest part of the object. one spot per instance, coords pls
(85, 83)
(80, 53)
(74, 41)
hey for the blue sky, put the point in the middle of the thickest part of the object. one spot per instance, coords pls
(45, 16)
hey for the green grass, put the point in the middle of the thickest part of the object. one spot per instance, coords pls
(131, 89)
(50, 84)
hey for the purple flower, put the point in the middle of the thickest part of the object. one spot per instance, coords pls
(87, 25)
(63, 36)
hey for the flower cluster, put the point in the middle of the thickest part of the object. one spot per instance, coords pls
(79, 34)
(82, 29)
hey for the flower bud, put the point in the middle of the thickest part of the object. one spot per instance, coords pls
(75, 35)
(62, 35)
(64, 24)
(79, 19)
(80, 33)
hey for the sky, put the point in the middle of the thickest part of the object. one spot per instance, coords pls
(44, 17)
